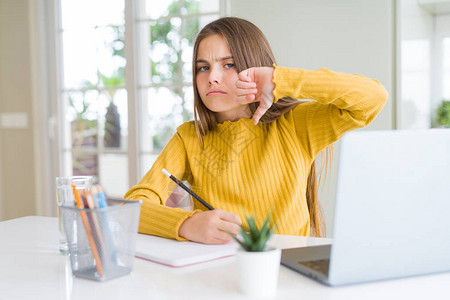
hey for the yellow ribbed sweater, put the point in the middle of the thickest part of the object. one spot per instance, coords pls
(246, 168)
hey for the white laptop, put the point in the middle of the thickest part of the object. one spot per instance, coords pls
(392, 215)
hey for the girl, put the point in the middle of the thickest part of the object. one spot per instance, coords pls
(251, 146)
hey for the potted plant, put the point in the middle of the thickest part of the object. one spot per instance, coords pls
(258, 264)
(443, 114)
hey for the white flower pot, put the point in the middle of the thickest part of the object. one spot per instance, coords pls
(258, 271)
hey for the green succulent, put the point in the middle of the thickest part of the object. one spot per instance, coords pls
(443, 113)
(255, 239)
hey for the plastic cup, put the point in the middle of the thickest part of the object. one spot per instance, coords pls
(65, 196)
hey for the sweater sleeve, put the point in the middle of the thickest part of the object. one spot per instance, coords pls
(156, 218)
(341, 102)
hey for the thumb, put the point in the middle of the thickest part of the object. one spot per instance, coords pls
(258, 114)
(246, 75)
(260, 111)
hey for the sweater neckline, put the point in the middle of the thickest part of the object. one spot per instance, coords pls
(229, 124)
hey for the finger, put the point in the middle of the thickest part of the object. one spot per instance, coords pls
(256, 117)
(217, 237)
(228, 216)
(242, 92)
(246, 99)
(258, 114)
(230, 227)
(245, 84)
(223, 237)
(262, 108)
(216, 241)
(245, 76)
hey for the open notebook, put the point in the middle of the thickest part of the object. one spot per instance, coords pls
(180, 254)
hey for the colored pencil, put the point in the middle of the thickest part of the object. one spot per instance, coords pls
(79, 204)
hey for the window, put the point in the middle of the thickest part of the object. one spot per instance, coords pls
(425, 63)
(441, 111)
(94, 88)
(166, 30)
(446, 66)
(415, 102)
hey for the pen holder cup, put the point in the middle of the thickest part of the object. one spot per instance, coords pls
(102, 240)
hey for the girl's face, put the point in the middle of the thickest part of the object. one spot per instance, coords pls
(216, 79)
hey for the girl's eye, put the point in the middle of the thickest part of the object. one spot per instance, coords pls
(203, 68)
(229, 66)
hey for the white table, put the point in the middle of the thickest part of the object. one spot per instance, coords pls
(32, 268)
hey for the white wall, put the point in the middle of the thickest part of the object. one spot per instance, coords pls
(17, 191)
(352, 36)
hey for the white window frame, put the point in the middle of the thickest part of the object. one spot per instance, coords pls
(435, 27)
(442, 31)
(44, 74)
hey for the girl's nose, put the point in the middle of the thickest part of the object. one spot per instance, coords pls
(214, 77)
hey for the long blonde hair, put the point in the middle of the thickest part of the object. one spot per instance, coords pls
(250, 48)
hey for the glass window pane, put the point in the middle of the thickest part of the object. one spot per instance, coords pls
(80, 58)
(188, 113)
(446, 54)
(190, 31)
(94, 120)
(161, 116)
(165, 50)
(199, 6)
(89, 54)
(113, 174)
(415, 84)
(84, 163)
(78, 14)
(187, 69)
(115, 120)
(190, 7)
(82, 118)
(146, 163)
(94, 99)
(110, 53)
(160, 8)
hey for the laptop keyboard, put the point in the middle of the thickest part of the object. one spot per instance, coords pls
(321, 265)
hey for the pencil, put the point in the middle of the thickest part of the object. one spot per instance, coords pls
(105, 221)
(187, 189)
(96, 227)
(79, 204)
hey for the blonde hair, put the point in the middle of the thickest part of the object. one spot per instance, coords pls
(250, 48)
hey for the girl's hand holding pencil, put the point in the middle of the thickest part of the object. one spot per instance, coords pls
(210, 227)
